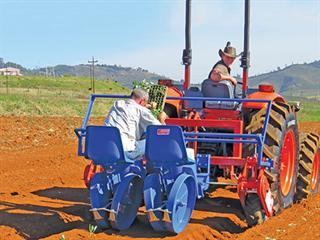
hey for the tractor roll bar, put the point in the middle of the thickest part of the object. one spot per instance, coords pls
(186, 56)
(245, 57)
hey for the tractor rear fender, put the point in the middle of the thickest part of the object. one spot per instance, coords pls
(173, 104)
(265, 96)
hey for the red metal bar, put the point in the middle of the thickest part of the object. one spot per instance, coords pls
(220, 113)
(235, 125)
(186, 77)
(244, 81)
(229, 124)
(194, 116)
(227, 161)
(237, 147)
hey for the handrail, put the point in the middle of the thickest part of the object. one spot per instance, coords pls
(258, 139)
(221, 140)
(224, 135)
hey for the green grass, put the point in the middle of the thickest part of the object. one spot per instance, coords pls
(69, 96)
(65, 96)
(44, 106)
(60, 83)
(310, 111)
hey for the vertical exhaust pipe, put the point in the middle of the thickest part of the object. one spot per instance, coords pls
(186, 56)
(245, 58)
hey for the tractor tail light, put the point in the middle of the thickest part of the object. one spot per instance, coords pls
(165, 82)
(266, 88)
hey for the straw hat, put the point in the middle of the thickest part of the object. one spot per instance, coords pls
(228, 51)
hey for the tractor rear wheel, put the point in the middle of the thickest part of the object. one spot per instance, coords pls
(309, 166)
(281, 145)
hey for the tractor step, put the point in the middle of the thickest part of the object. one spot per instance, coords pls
(102, 209)
(223, 183)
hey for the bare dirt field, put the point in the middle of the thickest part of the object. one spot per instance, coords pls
(42, 194)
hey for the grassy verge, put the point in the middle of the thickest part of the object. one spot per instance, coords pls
(80, 84)
(65, 96)
(69, 96)
(310, 111)
(45, 106)
(75, 104)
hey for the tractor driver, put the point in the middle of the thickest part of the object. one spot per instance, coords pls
(221, 70)
(132, 117)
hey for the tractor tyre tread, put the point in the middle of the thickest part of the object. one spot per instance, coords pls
(309, 146)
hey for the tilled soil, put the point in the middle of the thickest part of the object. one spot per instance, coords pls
(42, 195)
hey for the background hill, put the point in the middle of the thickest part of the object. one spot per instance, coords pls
(301, 80)
(117, 73)
(123, 75)
(294, 80)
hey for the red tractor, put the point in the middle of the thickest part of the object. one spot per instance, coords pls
(272, 171)
(252, 139)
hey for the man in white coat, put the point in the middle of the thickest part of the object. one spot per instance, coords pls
(132, 117)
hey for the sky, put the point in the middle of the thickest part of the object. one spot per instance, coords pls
(150, 33)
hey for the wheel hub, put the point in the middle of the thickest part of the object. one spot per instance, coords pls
(315, 172)
(287, 162)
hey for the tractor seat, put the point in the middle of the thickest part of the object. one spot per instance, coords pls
(222, 89)
(103, 146)
(165, 146)
(193, 104)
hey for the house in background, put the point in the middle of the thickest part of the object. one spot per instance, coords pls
(10, 71)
